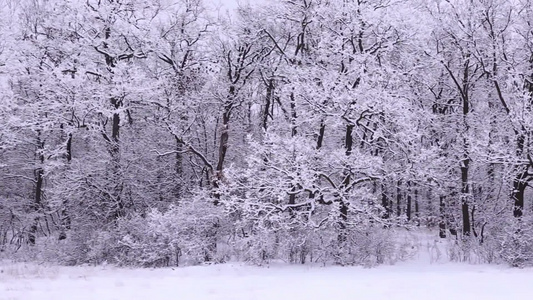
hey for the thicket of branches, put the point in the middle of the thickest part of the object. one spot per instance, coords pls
(160, 132)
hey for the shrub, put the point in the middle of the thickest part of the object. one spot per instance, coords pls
(516, 246)
(185, 234)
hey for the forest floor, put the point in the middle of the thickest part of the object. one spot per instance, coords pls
(412, 280)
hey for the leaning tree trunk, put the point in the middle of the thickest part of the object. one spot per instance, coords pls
(268, 103)
(222, 149)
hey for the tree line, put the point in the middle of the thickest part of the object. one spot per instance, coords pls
(153, 132)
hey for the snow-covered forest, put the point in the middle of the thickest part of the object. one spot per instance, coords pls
(165, 132)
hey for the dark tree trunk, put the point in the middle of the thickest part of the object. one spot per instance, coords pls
(222, 151)
(517, 194)
(178, 188)
(349, 139)
(385, 202)
(398, 198)
(37, 204)
(409, 201)
(268, 103)
(442, 216)
(474, 220)
(116, 204)
(69, 148)
(465, 197)
(465, 184)
(417, 208)
(321, 132)
(223, 143)
(64, 216)
(343, 210)
(115, 134)
(114, 144)
(294, 130)
(38, 193)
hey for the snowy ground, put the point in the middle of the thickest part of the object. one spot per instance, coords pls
(232, 281)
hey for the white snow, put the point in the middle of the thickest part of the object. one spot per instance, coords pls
(235, 281)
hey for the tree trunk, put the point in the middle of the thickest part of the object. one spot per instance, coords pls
(465, 197)
(465, 184)
(178, 188)
(409, 200)
(293, 116)
(517, 194)
(268, 103)
(223, 147)
(442, 217)
(114, 144)
(294, 131)
(398, 198)
(321, 132)
(69, 148)
(115, 204)
(64, 217)
(385, 202)
(349, 139)
(417, 208)
(38, 193)
(343, 210)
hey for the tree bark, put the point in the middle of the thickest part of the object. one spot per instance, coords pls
(417, 208)
(442, 217)
(38, 193)
(178, 167)
(343, 206)
(465, 163)
(268, 103)
(117, 207)
(398, 198)
(385, 202)
(65, 220)
(321, 132)
(517, 194)
(409, 201)
(465, 195)
(222, 151)
(294, 116)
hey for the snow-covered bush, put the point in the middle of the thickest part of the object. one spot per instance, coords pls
(368, 246)
(516, 243)
(187, 234)
(257, 248)
(190, 233)
(363, 245)
(508, 241)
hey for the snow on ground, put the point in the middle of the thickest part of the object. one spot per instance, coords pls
(278, 282)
